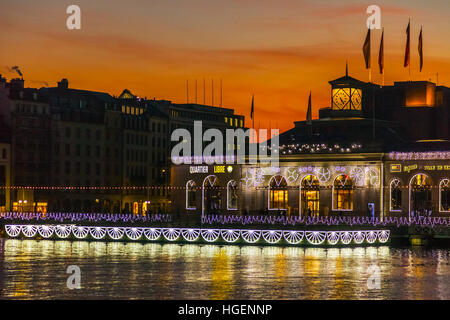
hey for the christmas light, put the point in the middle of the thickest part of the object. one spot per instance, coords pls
(209, 235)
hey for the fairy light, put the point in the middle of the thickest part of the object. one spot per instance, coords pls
(211, 235)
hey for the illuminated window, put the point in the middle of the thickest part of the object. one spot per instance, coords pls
(242, 123)
(235, 122)
(444, 195)
(310, 196)
(145, 207)
(278, 194)
(396, 195)
(226, 120)
(232, 195)
(343, 193)
(420, 194)
(41, 207)
(135, 208)
(212, 195)
(191, 190)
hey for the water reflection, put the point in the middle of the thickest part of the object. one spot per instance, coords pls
(31, 269)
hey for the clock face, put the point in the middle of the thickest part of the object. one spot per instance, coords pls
(356, 99)
(341, 98)
(347, 98)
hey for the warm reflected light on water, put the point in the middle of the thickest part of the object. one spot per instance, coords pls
(32, 269)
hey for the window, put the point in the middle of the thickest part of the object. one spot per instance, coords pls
(396, 195)
(191, 189)
(4, 153)
(278, 193)
(420, 194)
(343, 193)
(232, 195)
(444, 196)
(212, 195)
(310, 196)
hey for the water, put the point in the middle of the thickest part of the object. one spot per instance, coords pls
(31, 269)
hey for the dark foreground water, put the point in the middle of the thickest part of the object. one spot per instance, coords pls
(31, 269)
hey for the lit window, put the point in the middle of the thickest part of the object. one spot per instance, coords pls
(232, 195)
(310, 196)
(278, 194)
(343, 193)
(396, 195)
(444, 195)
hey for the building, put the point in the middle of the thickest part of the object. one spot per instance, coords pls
(377, 151)
(27, 114)
(5, 167)
(77, 150)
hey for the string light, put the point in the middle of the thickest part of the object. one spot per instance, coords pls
(292, 237)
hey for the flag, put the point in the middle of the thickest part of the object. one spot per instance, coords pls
(366, 49)
(421, 49)
(308, 113)
(407, 55)
(381, 54)
(253, 106)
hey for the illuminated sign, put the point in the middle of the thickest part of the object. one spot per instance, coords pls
(219, 169)
(230, 169)
(198, 169)
(396, 168)
(410, 168)
(439, 167)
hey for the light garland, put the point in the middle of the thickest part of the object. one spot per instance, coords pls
(436, 155)
(81, 217)
(328, 221)
(292, 237)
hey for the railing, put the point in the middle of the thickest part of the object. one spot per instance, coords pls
(85, 217)
(215, 219)
(329, 221)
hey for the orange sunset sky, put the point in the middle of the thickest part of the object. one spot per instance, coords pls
(276, 50)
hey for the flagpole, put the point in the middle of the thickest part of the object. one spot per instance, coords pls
(382, 75)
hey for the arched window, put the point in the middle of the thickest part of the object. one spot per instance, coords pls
(278, 194)
(420, 194)
(309, 194)
(343, 193)
(444, 196)
(396, 195)
(232, 195)
(212, 195)
(191, 190)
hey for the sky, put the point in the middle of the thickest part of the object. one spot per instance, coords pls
(277, 50)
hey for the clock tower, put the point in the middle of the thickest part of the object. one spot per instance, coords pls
(350, 97)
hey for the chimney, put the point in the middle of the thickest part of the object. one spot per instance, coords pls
(63, 84)
(2, 82)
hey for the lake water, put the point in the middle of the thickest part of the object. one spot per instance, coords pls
(32, 269)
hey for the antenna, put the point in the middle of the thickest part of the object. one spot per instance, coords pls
(221, 92)
(195, 91)
(187, 91)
